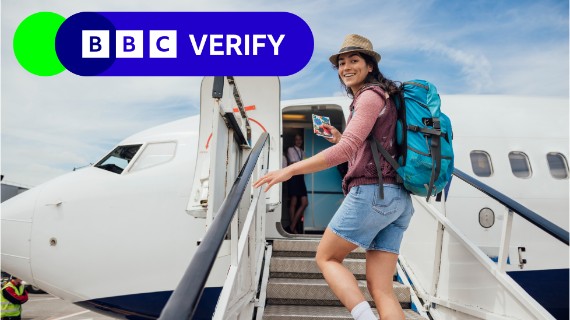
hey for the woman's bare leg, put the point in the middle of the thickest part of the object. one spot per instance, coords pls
(304, 204)
(330, 254)
(292, 214)
(380, 266)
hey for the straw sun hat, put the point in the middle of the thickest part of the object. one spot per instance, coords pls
(354, 42)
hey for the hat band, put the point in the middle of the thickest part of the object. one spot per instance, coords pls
(350, 48)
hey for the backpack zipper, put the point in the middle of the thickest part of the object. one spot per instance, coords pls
(421, 104)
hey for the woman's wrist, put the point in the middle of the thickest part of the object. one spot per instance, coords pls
(291, 168)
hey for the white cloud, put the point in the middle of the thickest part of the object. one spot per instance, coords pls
(58, 156)
(476, 69)
(537, 72)
(34, 174)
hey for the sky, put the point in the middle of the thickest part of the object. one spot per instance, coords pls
(49, 125)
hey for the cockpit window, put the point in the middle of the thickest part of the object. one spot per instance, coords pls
(118, 159)
(154, 154)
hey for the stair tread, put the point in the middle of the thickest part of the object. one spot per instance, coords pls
(309, 265)
(313, 259)
(318, 289)
(302, 245)
(317, 282)
(286, 312)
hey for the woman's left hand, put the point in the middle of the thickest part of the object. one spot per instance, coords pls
(273, 177)
(335, 133)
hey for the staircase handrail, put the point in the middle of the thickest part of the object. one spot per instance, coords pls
(184, 300)
(529, 215)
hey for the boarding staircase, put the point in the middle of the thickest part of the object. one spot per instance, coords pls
(440, 274)
(297, 290)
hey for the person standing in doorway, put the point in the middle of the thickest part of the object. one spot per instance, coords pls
(364, 219)
(297, 188)
(13, 296)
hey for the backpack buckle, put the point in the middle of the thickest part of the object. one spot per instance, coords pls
(436, 124)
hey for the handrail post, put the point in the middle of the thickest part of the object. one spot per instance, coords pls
(438, 249)
(505, 240)
(234, 240)
(443, 203)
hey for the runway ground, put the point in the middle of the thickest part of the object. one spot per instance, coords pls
(47, 307)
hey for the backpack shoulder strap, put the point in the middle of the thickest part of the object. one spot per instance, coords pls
(376, 146)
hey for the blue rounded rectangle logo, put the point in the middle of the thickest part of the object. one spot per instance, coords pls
(184, 43)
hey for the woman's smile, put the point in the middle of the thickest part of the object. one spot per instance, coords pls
(348, 75)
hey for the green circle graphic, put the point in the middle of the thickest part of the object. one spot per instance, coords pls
(34, 43)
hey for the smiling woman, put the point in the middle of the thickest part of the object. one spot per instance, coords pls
(365, 218)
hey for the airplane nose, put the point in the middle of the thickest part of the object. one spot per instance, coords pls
(17, 218)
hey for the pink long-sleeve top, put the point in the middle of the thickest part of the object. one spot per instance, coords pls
(370, 111)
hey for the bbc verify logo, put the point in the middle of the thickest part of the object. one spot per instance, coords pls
(165, 43)
(130, 44)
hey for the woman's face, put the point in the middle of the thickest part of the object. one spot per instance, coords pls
(352, 69)
(298, 141)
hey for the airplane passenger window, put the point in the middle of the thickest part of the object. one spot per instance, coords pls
(118, 159)
(154, 154)
(558, 165)
(481, 163)
(520, 165)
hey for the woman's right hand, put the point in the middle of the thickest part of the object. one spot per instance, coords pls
(335, 133)
(273, 178)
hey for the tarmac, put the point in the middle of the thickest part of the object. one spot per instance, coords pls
(44, 306)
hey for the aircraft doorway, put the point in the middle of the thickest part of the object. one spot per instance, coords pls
(324, 188)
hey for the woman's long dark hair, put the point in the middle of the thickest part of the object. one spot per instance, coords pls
(389, 86)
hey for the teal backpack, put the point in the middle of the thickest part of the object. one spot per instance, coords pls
(424, 139)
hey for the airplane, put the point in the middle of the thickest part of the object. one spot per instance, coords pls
(116, 237)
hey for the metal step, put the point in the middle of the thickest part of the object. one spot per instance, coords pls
(307, 268)
(301, 245)
(316, 292)
(311, 254)
(306, 248)
(282, 312)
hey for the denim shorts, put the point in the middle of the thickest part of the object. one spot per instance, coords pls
(371, 223)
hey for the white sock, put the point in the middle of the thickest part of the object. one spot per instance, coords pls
(362, 311)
